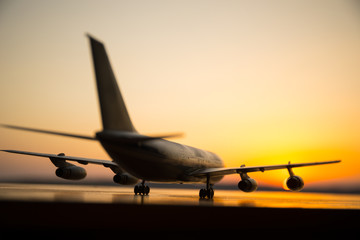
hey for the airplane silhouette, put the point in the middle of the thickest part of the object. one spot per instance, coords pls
(136, 157)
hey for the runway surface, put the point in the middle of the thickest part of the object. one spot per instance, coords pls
(107, 210)
(188, 197)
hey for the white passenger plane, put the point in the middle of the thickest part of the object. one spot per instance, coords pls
(138, 157)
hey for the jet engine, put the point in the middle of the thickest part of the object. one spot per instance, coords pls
(295, 183)
(71, 172)
(247, 185)
(125, 179)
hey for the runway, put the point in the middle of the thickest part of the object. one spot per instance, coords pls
(77, 209)
(168, 196)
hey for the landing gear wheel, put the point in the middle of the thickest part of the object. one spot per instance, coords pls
(136, 190)
(209, 193)
(202, 193)
(146, 190)
(142, 189)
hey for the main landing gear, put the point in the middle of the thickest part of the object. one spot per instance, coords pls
(208, 191)
(142, 189)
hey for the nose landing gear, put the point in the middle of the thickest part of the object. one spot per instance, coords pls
(142, 189)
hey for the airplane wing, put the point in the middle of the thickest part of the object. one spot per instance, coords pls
(243, 169)
(61, 156)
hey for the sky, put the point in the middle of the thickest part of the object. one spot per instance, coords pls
(257, 82)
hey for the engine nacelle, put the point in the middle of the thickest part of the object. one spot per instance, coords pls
(125, 179)
(247, 185)
(71, 172)
(295, 183)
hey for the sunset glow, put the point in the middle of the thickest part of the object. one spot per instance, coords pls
(256, 82)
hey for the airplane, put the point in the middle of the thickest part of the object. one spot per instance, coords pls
(141, 158)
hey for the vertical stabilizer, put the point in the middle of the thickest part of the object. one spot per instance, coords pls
(113, 109)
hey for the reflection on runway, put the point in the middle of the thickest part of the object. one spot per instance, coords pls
(183, 197)
(105, 212)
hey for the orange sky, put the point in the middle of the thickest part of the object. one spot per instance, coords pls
(256, 82)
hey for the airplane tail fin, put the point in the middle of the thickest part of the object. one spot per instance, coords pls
(113, 109)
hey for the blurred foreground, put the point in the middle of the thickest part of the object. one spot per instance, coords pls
(98, 211)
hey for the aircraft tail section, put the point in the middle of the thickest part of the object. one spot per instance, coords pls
(113, 109)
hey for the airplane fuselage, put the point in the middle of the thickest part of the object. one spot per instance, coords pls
(160, 160)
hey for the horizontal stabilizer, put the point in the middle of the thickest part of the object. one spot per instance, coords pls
(49, 132)
(170, 135)
(119, 137)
